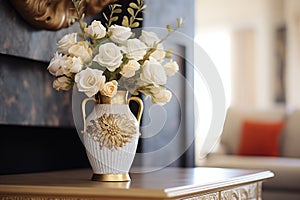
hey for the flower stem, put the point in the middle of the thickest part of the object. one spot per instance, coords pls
(80, 15)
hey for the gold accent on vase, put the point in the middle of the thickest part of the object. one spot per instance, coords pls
(119, 98)
(83, 111)
(112, 130)
(111, 177)
(55, 14)
(141, 107)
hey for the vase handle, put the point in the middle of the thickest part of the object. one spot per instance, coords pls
(83, 111)
(141, 107)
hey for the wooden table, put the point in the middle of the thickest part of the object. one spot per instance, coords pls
(199, 183)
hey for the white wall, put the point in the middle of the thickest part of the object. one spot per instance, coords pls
(292, 15)
(233, 13)
(263, 16)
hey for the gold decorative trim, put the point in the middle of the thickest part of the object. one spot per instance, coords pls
(119, 98)
(55, 14)
(111, 177)
(112, 130)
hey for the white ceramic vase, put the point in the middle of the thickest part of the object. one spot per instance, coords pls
(110, 136)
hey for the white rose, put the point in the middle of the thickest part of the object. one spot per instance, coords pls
(96, 30)
(109, 56)
(149, 38)
(129, 68)
(56, 64)
(171, 68)
(153, 73)
(62, 83)
(72, 65)
(110, 88)
(135, 49)
(82, 50)
(161, 95)
(159, 54)
(90, 81)
(119, 34)
(66, 42)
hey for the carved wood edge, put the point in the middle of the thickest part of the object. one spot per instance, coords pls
(251, 191)
(245, 192)
(55, 14)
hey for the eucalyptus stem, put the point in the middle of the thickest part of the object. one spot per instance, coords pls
(135, 16)
(171, 31)
(80, 15)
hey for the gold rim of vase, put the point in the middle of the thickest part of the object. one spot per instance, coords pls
(111, 177)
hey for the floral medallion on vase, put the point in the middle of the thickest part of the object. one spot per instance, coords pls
(112, 130)
(112, 66)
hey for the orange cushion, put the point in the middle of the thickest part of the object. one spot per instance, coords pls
(259, 138)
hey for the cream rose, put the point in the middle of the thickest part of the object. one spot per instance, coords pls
(110, 88)
(62, 83)
(149, 38)
(82, 50)
(161, 95)
(129, 68)
(60, 65)
(171, 68)
(66, 42)
(135, 49)
(153, 73)
(71, 65)
(95, 30)
(109, 56)
(159, 54)
(90, 81)
(119, 34)
(56, 65)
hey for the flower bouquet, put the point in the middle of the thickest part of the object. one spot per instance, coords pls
(106, 57)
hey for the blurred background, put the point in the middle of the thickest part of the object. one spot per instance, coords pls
(255, 46)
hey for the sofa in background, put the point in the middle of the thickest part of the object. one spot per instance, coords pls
(277, 131)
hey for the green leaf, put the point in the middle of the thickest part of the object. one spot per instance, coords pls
(115, 18)
(139, 18)
(168, 53)
(133, 5)
(117, 5)
(125, 21)
(135, 25)
(130, 11)
(145, 12)
(118, 10)
(169, 28)
(179, 22)
(104, 15)
(84, 24)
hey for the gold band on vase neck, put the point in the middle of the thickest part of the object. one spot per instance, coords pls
(119, 98)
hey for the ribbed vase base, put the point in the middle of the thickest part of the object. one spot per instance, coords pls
(111, 177)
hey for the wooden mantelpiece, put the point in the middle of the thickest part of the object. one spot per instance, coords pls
(170, 183)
